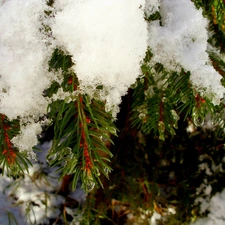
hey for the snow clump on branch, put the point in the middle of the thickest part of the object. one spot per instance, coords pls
(107, 41)
(181, 41)
(22, 59)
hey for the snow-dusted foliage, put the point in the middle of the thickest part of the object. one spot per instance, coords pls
(152, 6)
(23, 66)
(181, 41)
(107, 41)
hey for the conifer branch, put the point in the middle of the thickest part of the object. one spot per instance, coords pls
(11, 159)
(80, 129)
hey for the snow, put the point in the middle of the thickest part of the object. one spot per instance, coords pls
(22, 57)
(100, 40)
(7, 208)
(34, 198)
(212, 205)
(2, 2)
(156, 216)
(181, 41)
(107, 41)
(23, 67)
(27, 138)
(216, 214)
(151, 7)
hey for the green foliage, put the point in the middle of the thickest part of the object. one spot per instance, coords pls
(81, 128)
(161, 96)
(12, 161)
(151, 175)
(218, 13)
(11, 219)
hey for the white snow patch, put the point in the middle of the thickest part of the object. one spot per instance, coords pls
(107, 41)
(32, 197)
(28, 137)
(7, 209)
(23, 66)
(23, 54)
(156, 216)
(216, 214)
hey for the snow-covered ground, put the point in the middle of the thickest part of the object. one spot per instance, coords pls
(34, 198)
(216, 214)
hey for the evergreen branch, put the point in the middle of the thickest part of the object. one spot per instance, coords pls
(154, 100)
(218, 13)
(161, 96)
(81, 128)
(219, 64)
(11, 159)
